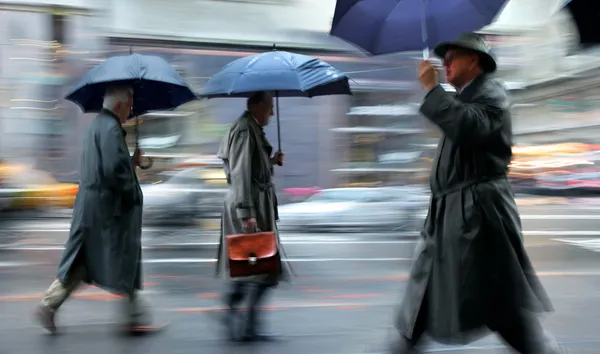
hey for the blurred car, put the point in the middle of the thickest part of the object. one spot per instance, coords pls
(356, 209)
(7, 197)
(25, 188)
(573, 184)
(187, 195)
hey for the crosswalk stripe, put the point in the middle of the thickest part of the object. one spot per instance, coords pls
(592, 244)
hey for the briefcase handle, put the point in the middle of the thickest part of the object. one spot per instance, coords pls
(256, 230)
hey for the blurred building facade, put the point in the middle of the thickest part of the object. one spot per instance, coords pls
(373, 137)
(42, 49)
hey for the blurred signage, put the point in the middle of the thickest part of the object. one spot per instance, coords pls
(159, 142)
(213, 130)
(574, 104)
(395, 110)
(400, 157)
(368, 138)
(552, 149)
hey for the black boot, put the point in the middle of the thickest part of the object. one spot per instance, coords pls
(403, 345)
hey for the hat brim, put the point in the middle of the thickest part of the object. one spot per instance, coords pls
(488, 63)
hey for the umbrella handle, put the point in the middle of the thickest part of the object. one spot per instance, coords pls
(149, 161)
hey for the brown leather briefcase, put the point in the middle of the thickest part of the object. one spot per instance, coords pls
(253, 254)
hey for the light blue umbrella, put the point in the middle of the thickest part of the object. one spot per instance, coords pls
(284, 73)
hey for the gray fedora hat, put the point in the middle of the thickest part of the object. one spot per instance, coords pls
(471, 42)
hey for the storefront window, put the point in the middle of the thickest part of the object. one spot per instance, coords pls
(556, 117)
(26, 54)
(41, 55)
(383, 138)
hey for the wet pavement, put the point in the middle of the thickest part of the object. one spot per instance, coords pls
(341, 301)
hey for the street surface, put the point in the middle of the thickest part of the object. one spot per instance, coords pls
(342, 300)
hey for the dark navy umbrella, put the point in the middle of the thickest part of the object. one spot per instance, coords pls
(156, 85)
(585, 14)
(389, 26)
(286, 74)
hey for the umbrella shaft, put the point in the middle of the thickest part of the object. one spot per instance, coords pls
(278, 121)
(424, 34)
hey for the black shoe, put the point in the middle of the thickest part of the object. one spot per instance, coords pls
(403, 346)
(252, 332)
(229, 321)
(259, 337)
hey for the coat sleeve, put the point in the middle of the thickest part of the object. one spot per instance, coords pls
(240, 170)
(116, 165)
(466, 123)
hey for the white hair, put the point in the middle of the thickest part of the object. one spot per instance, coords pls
(114, 95)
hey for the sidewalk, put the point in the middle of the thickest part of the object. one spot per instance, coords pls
(153, 238)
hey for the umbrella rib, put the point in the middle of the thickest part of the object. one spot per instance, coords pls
(309, 73)
(295, 69)
(383, 22)
(477, 7)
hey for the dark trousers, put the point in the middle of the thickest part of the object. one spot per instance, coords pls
(255, 292)
(521, 331)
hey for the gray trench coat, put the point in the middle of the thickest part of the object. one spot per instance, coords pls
(106, 227)
(246, 156)
(470, 264)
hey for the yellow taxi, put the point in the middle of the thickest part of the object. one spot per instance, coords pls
(32, 189)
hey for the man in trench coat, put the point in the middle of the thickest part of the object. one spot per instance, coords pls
(249, 205)
(471, 273)
(104, 245)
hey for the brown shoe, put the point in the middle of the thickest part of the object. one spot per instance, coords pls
(139, 329)
(143, 325)
(45, 317)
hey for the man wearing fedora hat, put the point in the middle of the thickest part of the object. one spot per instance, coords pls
(471, 273)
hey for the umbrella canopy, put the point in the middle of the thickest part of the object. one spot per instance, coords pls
(585, 13)
(389, 26)
(288, 74)
(156, 85)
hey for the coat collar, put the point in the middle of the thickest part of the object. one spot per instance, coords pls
(472, 87)
(114, 116)
(253, 121)
(261, 131)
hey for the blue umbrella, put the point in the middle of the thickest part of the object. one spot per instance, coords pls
(287, 74)
(156, 85)
(388, 26)
(290, 74)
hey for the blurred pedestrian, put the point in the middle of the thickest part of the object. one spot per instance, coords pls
(250, 206)
(104, 245)
(471, 273)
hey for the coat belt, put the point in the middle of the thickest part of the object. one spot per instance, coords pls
(466, 184)
(263, 186)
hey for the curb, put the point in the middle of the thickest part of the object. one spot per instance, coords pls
(165, 247)
(191, 246)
